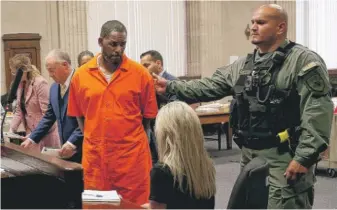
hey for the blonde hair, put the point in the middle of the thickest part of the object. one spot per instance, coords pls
(181, 147)
(23, 61)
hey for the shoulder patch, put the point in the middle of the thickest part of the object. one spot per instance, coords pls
(316, 83)
(315, 80)
(309, 66)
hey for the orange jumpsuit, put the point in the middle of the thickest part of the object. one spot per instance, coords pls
(116, 154)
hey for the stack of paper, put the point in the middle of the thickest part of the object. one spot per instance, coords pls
(100, 196)
(51, 151)
(213, 107)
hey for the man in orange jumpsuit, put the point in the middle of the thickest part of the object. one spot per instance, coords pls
(113, 98)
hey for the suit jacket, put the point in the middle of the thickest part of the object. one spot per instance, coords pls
(168, 76)
(36, 103)
(67, 126)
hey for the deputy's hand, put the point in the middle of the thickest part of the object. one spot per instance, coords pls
(159, 83)
(66, 151)
(294, 169)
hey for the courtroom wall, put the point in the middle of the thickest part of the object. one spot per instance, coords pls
(24, 17)
(151, 25)
(60, 24)
(206, 33)
(215, 31)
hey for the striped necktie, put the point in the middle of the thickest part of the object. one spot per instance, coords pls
(63, 90)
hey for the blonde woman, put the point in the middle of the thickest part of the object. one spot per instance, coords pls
(32, 101)
(184, 177)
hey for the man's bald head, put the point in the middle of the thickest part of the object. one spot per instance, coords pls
(275, 11)
(269, 25)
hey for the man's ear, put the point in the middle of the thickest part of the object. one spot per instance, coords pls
(100, 41)
(65, 64)
(282, 28)
(158, 62)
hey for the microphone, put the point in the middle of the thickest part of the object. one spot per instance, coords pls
(15, 86)
(10, 99)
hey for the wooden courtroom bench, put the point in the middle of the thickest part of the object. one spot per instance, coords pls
(33, 180)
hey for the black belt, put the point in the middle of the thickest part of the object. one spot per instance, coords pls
(259, 141)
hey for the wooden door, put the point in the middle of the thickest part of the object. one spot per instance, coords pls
(22, 43)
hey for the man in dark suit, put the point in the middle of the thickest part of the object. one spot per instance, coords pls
(58, 64)
(153, 61)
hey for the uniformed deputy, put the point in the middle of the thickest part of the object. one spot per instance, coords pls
(281, 110)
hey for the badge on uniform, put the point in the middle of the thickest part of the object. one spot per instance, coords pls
(313, 78)
(315, 82)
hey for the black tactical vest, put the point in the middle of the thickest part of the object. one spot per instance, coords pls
(259, 110)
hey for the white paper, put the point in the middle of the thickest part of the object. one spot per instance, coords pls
(96, 195)
(51, 151)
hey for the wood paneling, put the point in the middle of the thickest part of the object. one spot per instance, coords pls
(21, 43)
(216, 31)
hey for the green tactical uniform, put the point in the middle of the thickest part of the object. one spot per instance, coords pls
(301, 92)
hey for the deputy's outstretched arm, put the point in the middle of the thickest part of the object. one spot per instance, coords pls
(207, 89)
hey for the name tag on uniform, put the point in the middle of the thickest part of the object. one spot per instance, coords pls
(309, 66)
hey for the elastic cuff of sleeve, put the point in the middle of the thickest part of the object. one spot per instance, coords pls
(305, 161)
(32, 141)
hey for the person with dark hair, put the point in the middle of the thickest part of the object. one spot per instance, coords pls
(114, 97)
(153, 61)
(84, 57)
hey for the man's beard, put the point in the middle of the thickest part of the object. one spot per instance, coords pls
(113, 60)
(266, 42)
(256, 42)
